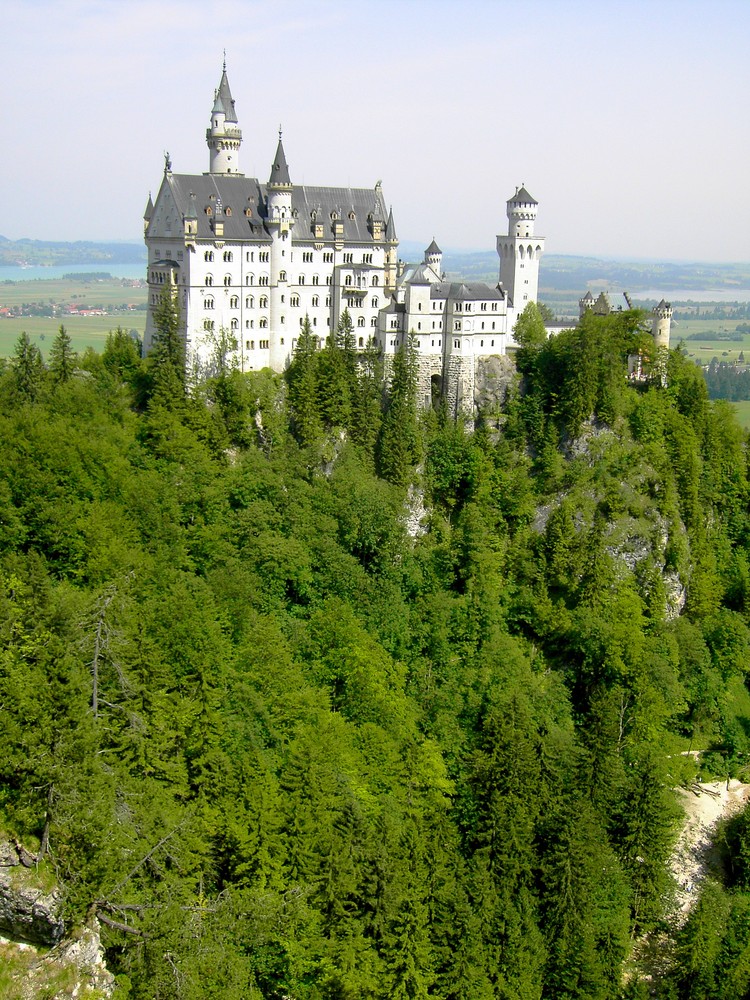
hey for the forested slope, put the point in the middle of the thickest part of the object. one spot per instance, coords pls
(283, 749)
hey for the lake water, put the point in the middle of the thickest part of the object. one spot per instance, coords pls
(15, 273)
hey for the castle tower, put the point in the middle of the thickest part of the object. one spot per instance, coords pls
(520, 251)
(585, 304)
(391, 256)
(433, 257)
(279, 222)
(661, 323)
(224, 136)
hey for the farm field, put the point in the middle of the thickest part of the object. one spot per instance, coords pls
(742, 411)
(111, 294)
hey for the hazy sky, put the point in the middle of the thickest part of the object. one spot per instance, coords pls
(628, 121)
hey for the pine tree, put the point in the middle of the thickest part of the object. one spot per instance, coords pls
(27, 367)
(302, 382)
(62, 357)
(167, 359)
(398, 448)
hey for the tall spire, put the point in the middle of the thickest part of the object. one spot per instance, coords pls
(224, 136)
(224, 95)
(280, 169)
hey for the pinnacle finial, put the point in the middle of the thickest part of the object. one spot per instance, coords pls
(224, 67)
(279, 132)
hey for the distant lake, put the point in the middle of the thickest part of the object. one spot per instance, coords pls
(694, 294)
(15, 273)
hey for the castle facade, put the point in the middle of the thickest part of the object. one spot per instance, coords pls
(253, 260)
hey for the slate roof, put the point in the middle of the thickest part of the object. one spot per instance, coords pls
(522, 197)
(466, 291)
(238, 194)
(149, 209)
(390, 227)
(224, 94)
(279, 168)
(433, 248)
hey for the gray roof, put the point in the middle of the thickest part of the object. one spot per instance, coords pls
(433, 247)
(279, 168)
(390, 227)
(224, 94)
(522, 197)
(238, 194)
(471, 291)
(149, 208)
(587, 296)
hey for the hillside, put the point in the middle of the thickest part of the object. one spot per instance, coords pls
(49, 252)
(281, 746)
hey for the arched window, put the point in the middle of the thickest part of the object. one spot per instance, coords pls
(374, 302)
(249, 279)
(263, 323)
(263, 302)
(234, 302)
(227, 279)
(348, 280)
(282, 275)
(295, 300)
(316, 300)
(249, 302)
(374, 321)
(361, 321)
(208, 255)
(263, 279)
(208, 303)
(208, 325)
(227, 256)
(235, 324)
(209, 280)
(301, 279)
(361, 341)
(375, 281)
(316, 279)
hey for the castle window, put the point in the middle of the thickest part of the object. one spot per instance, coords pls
(352, 216)
(316, 300)
(374, 302)
(263, 344)
(329, 279)
(458, 307)
(235, 324)
(361, 321)
(250, 255)
(348, 280)
(481, 343)
(227, 279)
(263, 323)
(307, 257)
(328, 258)
(316, 279)
(483, 326)
(227, 256)
(208, 325)
(348, 258)
(361, 341)
(282, 275)
(209, 280)
(374, 321)
(375, 281)
(234, 302)
(294, 301)
(492, 343)
(263, 256)
(228, 210)
(457, 325)
(249, 302)
(208, 303)
(494, 306)
(328, 300)
(301, 280)
(367, 258)
(283, 320)
(263, 302)
(456, 343)
(483, 307)
(208, 255)
(263, 279)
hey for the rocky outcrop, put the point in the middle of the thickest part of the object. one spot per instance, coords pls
(493, 378)
(28, 911)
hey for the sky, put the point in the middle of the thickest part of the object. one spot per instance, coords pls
(627, 120)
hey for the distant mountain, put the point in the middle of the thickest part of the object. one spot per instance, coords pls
(47, 252)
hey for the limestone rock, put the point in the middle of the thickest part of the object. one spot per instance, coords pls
(27, 911)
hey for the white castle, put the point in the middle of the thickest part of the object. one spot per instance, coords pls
(254, 260)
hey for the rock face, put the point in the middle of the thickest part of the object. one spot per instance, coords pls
(27, 911)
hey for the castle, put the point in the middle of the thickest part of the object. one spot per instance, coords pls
(254, 260)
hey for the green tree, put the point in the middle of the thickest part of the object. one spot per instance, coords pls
(167, 357)
(399, 445)
(27, 368)
(62, 357)
(302, 381)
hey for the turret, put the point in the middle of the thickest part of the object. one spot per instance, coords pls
(391, 255)
(148, 212)
(661, 323)
(279, 221)
(520, 251)
(279, 189)
(433, 257)
(223, 136)
(585, 304)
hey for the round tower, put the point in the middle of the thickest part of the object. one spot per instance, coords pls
(279, 222)
(223, 136)
(433, 257)
(585, 304)
(661, 323)
(520, 251)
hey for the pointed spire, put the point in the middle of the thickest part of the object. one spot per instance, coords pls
(433, 248)
(224, 95)
(390, 227)
(280, 169)
(149, 209)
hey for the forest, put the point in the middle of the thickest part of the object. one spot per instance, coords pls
(285, 745)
